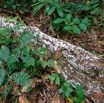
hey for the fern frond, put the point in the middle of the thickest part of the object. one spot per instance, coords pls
(4, 53)
(21, 78)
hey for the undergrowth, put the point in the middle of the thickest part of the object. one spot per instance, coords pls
(21, 60)
(66, 16)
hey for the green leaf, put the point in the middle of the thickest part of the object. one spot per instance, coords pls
(67, 28)
(21, 78)
(9, 88)
(53, 77)
(77, 100)
(51, 63)
(29, 89)
(5, 94)
(79, 92)
(68, 16)
(37, 8)
(85, 21)
(97, 10)
(57, 21)
(60, 12)
(0, 63)
(43, 49)
(2, 76)
(83, 27)
(29, 61)
(76, 20)
(76, 30)
(51, 10)
(61, 90)
(93, 1)
(44, 64)
(57, 80)
(47, 8)
(4, 53)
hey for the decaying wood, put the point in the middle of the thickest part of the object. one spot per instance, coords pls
(79, 66)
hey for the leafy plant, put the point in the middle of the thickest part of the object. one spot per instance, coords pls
(72, 24)
(23, 5)
(67, 91)
(51, 6)
(55, 78)
(80, 94)
(20, 57)
(7, 91)
(95, 6)
(21, 78)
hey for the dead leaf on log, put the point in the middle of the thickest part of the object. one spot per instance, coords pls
(23, 99)
(57, 67)
(58, 54)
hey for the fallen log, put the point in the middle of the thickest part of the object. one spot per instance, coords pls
(79, 66)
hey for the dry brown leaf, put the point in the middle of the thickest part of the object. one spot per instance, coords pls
(23, 99)
(100, 42)
(34, 81)
(56, 99)
(57, 67)
(24, 89)
(45, 76)
(58, 54)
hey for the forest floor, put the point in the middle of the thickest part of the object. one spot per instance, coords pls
(46, 91)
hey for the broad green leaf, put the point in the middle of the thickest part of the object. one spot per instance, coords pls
(52, 77)
(96, 11)
(29, 89)
(5, 94)
(76, 30)
(76, 20)
(44, 64)
(47, 8)
(93, 1)
(77, 100)
(68, 16)
(57, 81)
(57, 21)
(51, 10)
(79, 91)
(51, 63)
(83, 27)
(9, 88)
(2, 76)
(43, 49)
(60, 12)
(61, 90)
(67, 28)
(85, 21)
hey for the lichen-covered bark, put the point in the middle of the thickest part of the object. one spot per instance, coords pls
(79, 66)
